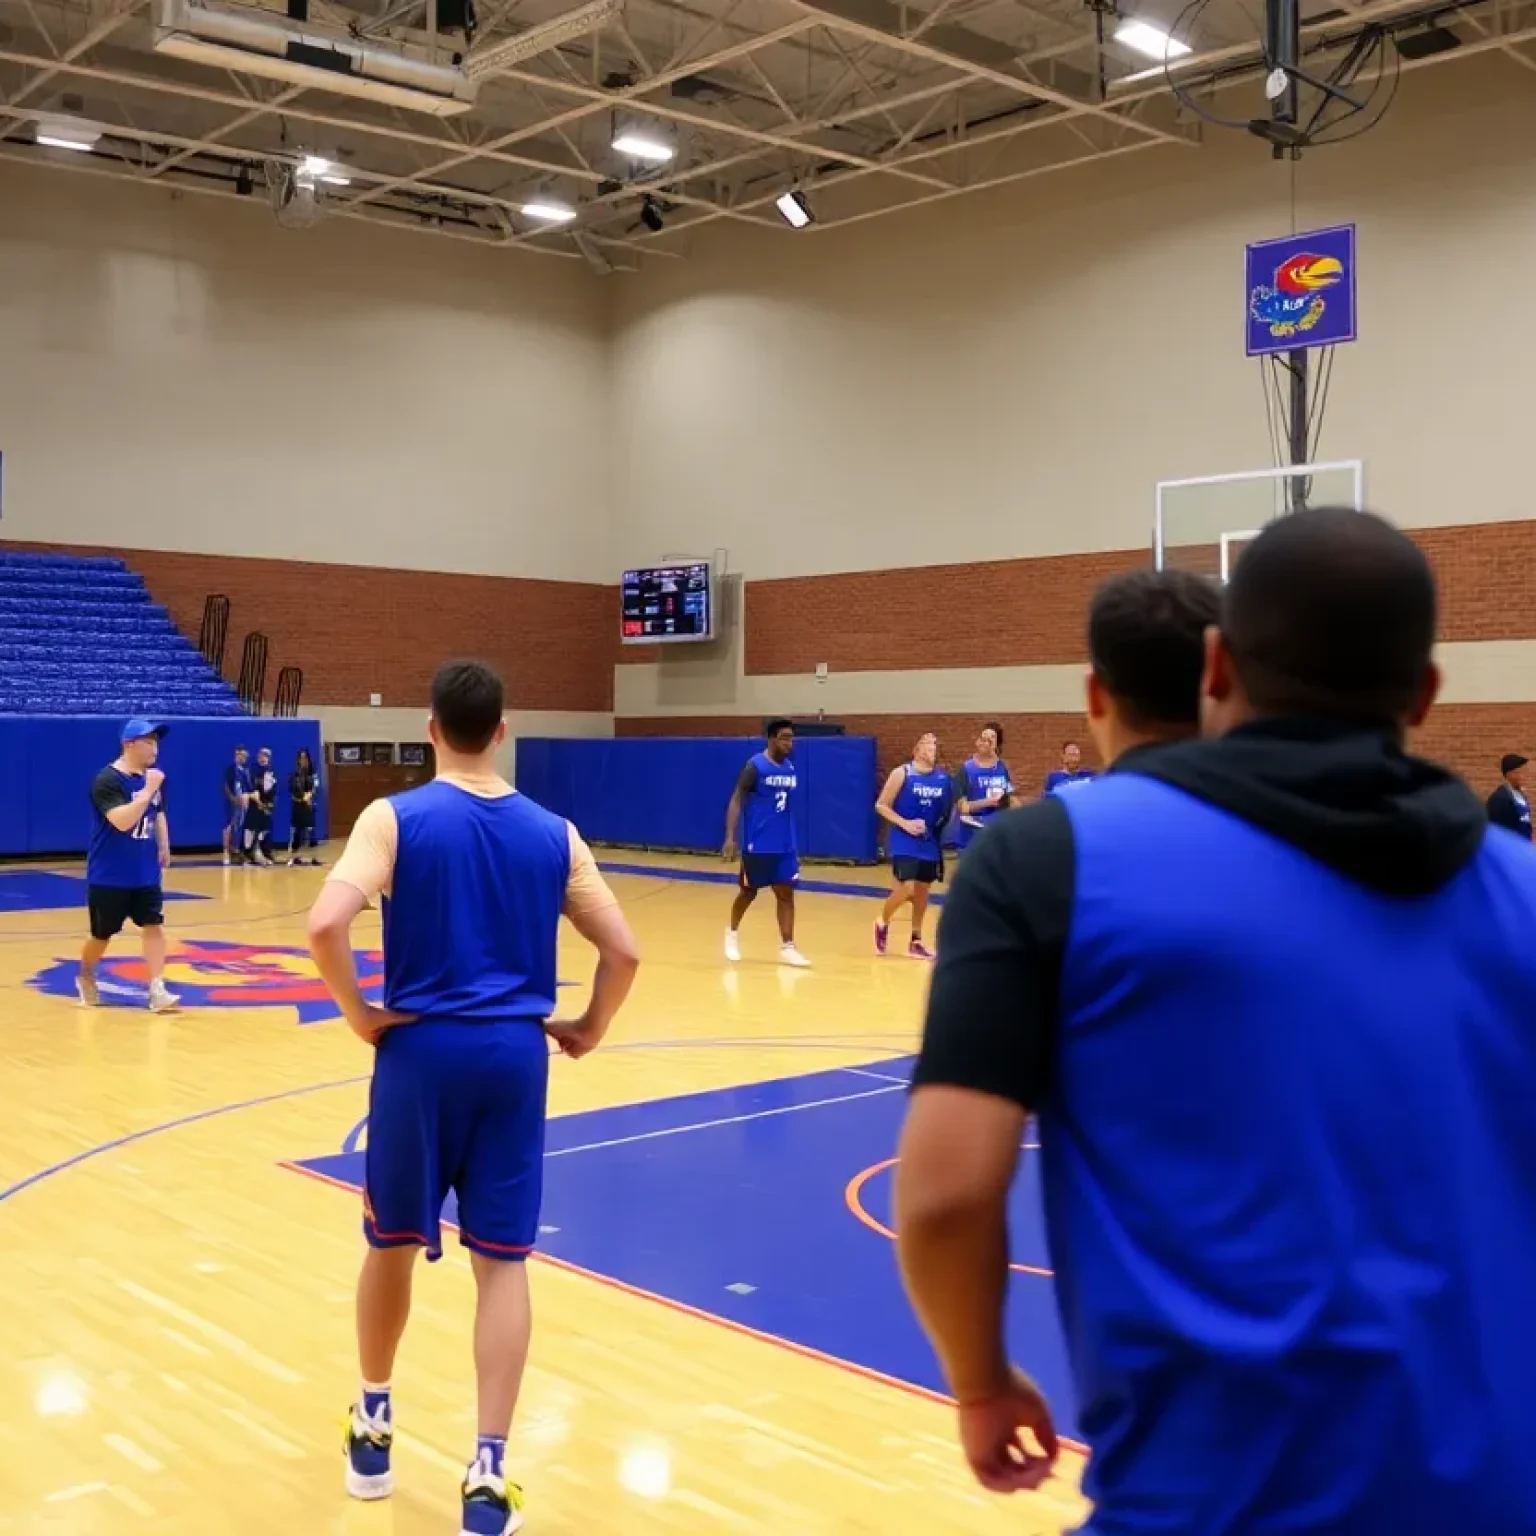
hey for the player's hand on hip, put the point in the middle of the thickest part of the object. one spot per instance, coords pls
(374, 1020)
(990, 1436)
(575, 1037)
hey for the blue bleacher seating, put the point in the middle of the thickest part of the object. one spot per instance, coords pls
(80, 635)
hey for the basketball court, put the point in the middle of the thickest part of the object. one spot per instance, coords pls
(721, 1341)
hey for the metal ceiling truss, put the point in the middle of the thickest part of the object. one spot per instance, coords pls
(866, 106)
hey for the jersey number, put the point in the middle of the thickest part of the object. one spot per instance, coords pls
(780, 799)
(144, 828)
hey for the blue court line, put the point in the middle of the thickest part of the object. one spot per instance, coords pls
(729, 877)
(170, 1125)
(355, 1135)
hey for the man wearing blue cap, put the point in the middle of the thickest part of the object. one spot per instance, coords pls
(130, 845)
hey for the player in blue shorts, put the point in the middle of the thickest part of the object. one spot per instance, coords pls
(916, 800)
(472, 879)
(763, 804)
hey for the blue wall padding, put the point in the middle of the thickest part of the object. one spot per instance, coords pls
(47, 763)
(671, 791)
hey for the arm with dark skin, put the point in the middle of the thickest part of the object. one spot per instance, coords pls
(985, 1061)
(745, 784)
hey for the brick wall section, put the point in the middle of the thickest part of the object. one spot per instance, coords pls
(1031, 612)
(996, 613)
(1469, 738)
(357, 630)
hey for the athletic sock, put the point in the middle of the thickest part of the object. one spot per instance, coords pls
(376, 1402)
(491, 1455)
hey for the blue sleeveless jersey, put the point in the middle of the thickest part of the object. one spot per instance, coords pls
(768, 820)
(1264, 1291)
(471, 923)
(976, 781)
(922, 797)
(126, 859)
(1059, 781)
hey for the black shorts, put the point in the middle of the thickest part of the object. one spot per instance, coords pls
(916, 871)
(111, 906)
(303, 818)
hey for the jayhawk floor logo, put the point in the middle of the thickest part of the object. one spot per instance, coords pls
(1296, 301)
(209, 973)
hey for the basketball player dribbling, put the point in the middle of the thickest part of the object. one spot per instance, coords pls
(916, 800)
(764, 799)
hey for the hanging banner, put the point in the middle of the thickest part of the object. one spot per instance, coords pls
(1301, 291)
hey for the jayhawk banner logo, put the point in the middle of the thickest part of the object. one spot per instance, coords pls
(209, 973)
(1301, 291)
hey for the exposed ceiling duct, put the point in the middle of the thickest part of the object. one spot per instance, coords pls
(221, 39)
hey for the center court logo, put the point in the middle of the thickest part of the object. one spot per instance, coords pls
(210, 973)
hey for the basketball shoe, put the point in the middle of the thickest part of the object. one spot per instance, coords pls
(368, 1443)
(493, 1506)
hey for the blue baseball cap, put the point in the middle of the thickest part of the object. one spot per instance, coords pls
(137, 730)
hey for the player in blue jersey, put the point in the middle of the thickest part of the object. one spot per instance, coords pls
(762, 806)
(1270, 995)
(473, 879)
(130, 848)
(984, 786)
(916, 801)
(1071, 774)
(237, 791)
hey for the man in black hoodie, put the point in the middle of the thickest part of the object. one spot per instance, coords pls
(1269, 996)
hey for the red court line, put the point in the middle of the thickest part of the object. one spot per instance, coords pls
(853, 1199)
(803, 1350)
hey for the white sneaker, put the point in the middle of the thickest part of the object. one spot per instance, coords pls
(732, 944)
(161, 1001)
(789, 955)
(85, 985)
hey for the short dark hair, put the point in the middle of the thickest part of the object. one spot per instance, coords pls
(1146, 641)
(468, 699)
(996, 729)
(773, 727)
(1331, 612)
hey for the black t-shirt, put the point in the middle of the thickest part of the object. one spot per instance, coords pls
(994, 1004)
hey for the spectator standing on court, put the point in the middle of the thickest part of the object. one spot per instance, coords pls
(237, 791)
(303, 785)
(260, 808)
(473, 878)
(1270, 996)
(130, 847)
(1508, 806)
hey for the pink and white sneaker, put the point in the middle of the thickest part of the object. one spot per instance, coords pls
(882, 937)
(917, 950)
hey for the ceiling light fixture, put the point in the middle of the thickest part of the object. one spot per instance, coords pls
(639, 146)
(549, 213)
(794, 210)
(1152, 42)
(81, 137)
